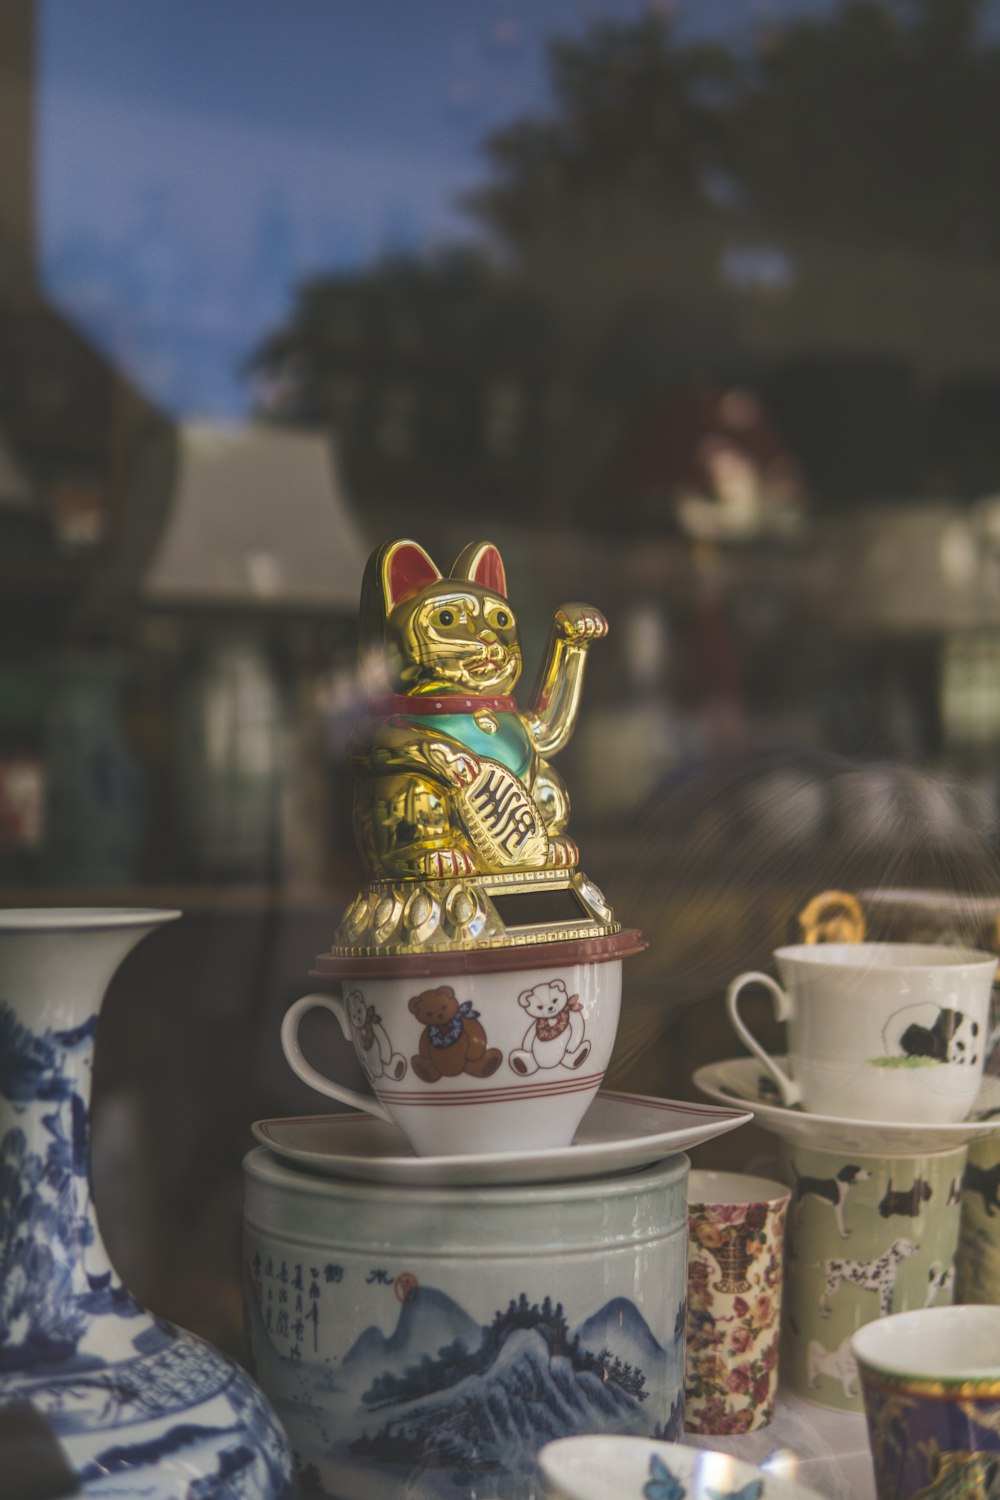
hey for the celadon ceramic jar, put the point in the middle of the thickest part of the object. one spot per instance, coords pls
(428, 1341)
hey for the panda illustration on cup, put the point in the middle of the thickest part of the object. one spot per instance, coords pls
(371, 1040)
(555, 1038)
(926, 1033)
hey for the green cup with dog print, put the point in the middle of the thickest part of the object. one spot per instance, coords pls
(865, 1237)
(977, 1265)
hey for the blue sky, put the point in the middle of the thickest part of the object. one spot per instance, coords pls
(197, 157)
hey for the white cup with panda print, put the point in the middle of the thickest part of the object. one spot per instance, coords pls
(876, 1031)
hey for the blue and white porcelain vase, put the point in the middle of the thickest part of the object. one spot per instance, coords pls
(138, 1406)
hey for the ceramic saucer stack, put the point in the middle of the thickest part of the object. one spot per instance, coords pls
(619, 1133)
(424, 1324)
(873, 1224)
(741, 1080)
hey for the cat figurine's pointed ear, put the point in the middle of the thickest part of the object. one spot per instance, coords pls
(481, 563)
(405, 569)
(394, 572)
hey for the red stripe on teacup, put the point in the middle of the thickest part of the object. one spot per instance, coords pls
(515, 1089)
(491, 1096)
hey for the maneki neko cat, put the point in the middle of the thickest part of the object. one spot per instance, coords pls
(453, 782)
(452, 777)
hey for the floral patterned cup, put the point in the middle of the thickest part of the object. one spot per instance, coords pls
(736, 1228)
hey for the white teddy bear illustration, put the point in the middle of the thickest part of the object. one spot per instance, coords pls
(555, 1036)
(371, 1040)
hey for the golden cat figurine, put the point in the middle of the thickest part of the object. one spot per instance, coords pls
(452, 780)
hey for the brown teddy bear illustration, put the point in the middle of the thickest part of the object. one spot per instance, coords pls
(452, 1041)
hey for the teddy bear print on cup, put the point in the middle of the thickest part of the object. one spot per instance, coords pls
(555, 1037)
(453, 1040)
(371, 1039)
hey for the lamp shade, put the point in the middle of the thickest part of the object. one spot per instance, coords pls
(258, 518)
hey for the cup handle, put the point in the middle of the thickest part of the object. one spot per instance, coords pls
(783, 1008)
(316, 1080)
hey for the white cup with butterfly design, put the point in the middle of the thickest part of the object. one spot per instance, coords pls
(610, 1467)
(470, 1059)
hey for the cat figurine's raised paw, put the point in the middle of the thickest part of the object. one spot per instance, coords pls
(452, 779)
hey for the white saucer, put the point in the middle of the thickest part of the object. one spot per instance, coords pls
(743, 1079)
(619, 1131)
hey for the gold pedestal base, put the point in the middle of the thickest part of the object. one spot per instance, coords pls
(482, 911)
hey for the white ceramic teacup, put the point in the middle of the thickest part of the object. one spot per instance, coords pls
(612, 1467)
(877, 1031)
(471, 1063)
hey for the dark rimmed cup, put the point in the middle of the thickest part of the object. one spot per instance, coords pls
(931, 1384)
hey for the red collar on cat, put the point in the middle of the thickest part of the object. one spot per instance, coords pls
(444, 703)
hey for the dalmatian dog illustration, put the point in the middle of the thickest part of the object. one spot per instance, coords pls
(831, 1190)
(371, 1040)
(908, 1203)
(555, 1036)
(837, 1364)
(939, 1279)
(928, 1031)
(986, 1182)
(878, 1275)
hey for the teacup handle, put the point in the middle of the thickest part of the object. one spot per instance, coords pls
(315, 1079)
(783, 1010)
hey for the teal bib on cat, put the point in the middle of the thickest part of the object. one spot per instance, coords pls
(510, 744)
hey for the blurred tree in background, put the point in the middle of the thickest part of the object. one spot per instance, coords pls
(882, 121)
(813, 214)
(637, 117)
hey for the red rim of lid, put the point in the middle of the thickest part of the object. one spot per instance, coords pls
(590, 950)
